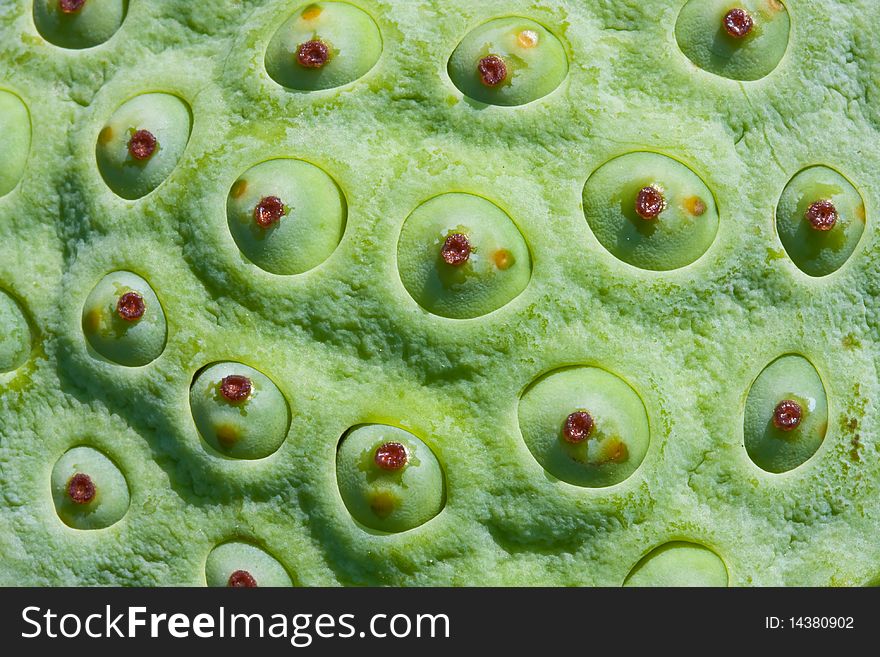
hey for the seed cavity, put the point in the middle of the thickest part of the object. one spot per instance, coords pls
(492, 70)
(142, 145)
(235, 388)
(313, 54)
(822, 215)
(70, 6)
(578, 427)
(242, 579)
(81, 488)
(650, 202)
(456, 250)
(268, 211)
(131, 306)
(391, 456)
(738, 23)
(787, 415)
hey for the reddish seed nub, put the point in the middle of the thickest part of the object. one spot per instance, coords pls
(235, 388)
(391, 456)
(131, 306)
(738, 23)
(241, 579)
(313, 54)
(650, 203)
(787, 415)
(456, 250)
(492, 70)
(578, 427)
(269, 210)
(142, 145)
(822, 215)
(70, 6)
(81, 488)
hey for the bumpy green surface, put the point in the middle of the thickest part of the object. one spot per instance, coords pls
(348, 345)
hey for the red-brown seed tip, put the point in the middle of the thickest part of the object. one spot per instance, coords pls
(787, 415)
(578, 427)
(235, 388)
(650, 202)
(391, 456)
(268, 211)
(492, 70)
(241, 579)
(81, 488)
(142, 145)
(456, 250)
(738, 23)
(313, 54)
(131, 306)
(822, 215)
(70, 6)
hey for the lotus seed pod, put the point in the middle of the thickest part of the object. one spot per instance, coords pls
(239, 411)
(650, 211)
(88, 489)
(323, 45)
(508, 61)
(679, 564)
(286, 216)
(123, 320)
(142, 142)
(237, 564)
(461, 256)
(786, 414)
(585, 426)
(15, 334)
(15, 139)
(78, 23)
(740, 40)
(820, 219)
(389, 479)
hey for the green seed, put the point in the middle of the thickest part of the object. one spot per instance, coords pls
(239, 411)
(650, 211)
(78, 24)
(820, 219)
(383, 489)
(508, 61)
(601, 451)
(679, 564)
(786, 414)
(323, 45)
(435, 270)
(15, 128)
(133, 163)
(114, 327)
(15, 334)
(237, 564)
(304, 233)
(744, 45)
(89, 491)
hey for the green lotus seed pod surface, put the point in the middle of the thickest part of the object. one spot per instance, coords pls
(15, 138)
(167, 118)
(350, 35)
(779, 449)
(389, 499)
(679, 564)
(101, 499)
(682, 231)
(702, 36)
(132, 341)
(820, 252)
(83, 25)
(310, 224)
(237, 563)
(251, 425)
(534, 62)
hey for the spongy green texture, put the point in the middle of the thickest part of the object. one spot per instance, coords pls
(347, 345)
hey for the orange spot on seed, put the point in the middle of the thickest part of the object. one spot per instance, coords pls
(239, 188)
(227, 435)
(527, 38)
(861, 214)
(105, 135)
(92, 321)
(614, 451)
(695, 206)
(311, 13)
(503, 259)
(383, 503)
